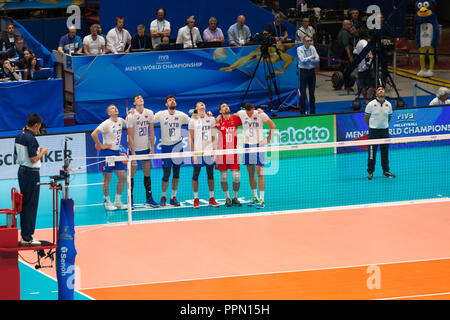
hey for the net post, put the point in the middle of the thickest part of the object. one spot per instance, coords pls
(130, 218)
(415, 94)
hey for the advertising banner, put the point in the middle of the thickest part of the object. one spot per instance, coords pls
(404, 123)
(53, 161)
(303, 130)
(212, 75)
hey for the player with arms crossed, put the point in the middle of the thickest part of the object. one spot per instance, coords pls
(227, 125)
(252, 124)
(139, 128)
(202, 135)
(111, 129)
(171, 121)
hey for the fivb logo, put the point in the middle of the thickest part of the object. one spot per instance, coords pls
(293, 135)
(75, 18)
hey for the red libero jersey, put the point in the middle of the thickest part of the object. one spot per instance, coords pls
(228, 140)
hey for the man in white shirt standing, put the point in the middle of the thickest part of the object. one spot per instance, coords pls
(140, 129)
(377, 115)
(111, 129)
(171, 121)
(93, 43)
(202, 137)
(159, 27)
(118, 39)
(307, 56)
(252, 124)
(189, 35)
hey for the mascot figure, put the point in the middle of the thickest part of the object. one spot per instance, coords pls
(427, 34)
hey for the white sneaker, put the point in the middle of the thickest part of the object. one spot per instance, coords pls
(428, 74)
(120, 205)
(32, 243)
(109, 206)
(421, 73)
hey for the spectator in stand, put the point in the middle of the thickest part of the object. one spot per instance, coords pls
(355, 19)
(159, 27)
(239, 34)
(21, 64)
(94, 43)
(189, 35)
(305, 30)
(164, 40)
(9, 38)
(7, 72)
(141, 40)
(118, 39)
(70, 42)
(100, 32)
(276, 9)
(277, 29)
(441, 97)
(15, 53)
(213, 33)
(31, 67)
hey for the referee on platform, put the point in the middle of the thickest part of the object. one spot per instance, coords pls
(307, 56)
(377, 115)
(28, 155)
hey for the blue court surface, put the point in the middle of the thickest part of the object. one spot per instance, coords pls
(306, 182)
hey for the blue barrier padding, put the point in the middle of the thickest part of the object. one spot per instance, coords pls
(20, 98)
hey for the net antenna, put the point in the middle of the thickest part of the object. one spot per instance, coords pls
(379, 61)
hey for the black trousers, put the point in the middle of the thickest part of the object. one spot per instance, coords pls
(384, 148)
(29, 188)
(307, 78)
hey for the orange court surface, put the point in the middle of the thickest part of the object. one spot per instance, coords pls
(379, 251)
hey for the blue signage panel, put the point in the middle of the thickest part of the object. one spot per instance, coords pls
(404, 123)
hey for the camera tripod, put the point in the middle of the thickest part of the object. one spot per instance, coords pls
(269, 75)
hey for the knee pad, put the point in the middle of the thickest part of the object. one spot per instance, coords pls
(236, 174)
(176, 171)
(210, 172)
(196, 173)
(166, 175)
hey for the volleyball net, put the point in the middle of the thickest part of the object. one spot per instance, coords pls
(309, 177)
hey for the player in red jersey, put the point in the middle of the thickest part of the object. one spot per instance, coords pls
(227, 125)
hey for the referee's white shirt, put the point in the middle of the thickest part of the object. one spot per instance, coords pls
(379, 114)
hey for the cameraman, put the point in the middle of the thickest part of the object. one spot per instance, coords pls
(277, 29)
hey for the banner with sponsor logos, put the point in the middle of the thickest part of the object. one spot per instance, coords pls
(53, 161)
(211, 75)
(303, 130)
(404, 123)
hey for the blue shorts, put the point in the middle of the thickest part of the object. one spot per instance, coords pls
(147, 151)
(118, 165)
(177, 147)
(204, 161)
(253, 158)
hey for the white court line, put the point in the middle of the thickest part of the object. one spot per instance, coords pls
(416, 296)
(257, 213)
(51, 278)
(270, 273)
